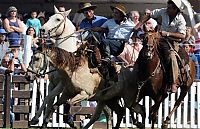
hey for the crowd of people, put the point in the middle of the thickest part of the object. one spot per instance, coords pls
(115, 34)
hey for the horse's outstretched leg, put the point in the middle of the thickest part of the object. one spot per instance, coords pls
(176, 105)
(49, 101)
(96, 115)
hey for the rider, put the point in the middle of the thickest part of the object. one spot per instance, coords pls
(173, 28)
(90, 19)
(118, 31)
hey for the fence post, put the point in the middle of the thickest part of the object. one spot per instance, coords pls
(7, 88)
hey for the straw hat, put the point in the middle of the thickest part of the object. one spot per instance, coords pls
(178, 4)
(119, 7)
(87, 6)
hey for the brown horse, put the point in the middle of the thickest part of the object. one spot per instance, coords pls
(152, 78)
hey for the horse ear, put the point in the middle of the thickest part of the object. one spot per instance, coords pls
(67, 12)
(55, 9)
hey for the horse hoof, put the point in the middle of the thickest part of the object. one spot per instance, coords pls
(34, 121)
(140, 125)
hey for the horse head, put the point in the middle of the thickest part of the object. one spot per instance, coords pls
(38, 63)
(60, 28)
(150, 42)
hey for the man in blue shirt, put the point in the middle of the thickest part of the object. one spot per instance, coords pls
(90, 20)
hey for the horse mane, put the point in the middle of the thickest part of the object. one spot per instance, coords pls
(62, 59)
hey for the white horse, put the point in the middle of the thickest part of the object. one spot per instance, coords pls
(60, 29)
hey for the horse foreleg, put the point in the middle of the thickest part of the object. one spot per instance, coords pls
(96, 115)
(48, 100)
(176, 105)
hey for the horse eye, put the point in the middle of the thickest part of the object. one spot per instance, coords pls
(58, 19)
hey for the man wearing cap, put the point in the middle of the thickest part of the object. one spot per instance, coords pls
(173, 29)
(90, 20)
(13, 27)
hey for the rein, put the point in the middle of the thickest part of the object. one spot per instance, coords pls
(69, 36)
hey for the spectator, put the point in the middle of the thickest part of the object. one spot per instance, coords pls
(134, 17)
(7, 65)
(4, 44)
(19, 67)
(61, 8)
(31, 31)
(34, 22)
(90, 20)
(188, 48)
(41, 17)
(189, 36)
(153, 22)
(78, 17)
(24, 27)
(13, 27)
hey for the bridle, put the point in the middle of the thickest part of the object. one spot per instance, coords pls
(54, 29)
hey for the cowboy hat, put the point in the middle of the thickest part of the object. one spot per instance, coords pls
(178, 4)
(87, 6)
(119, 7)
